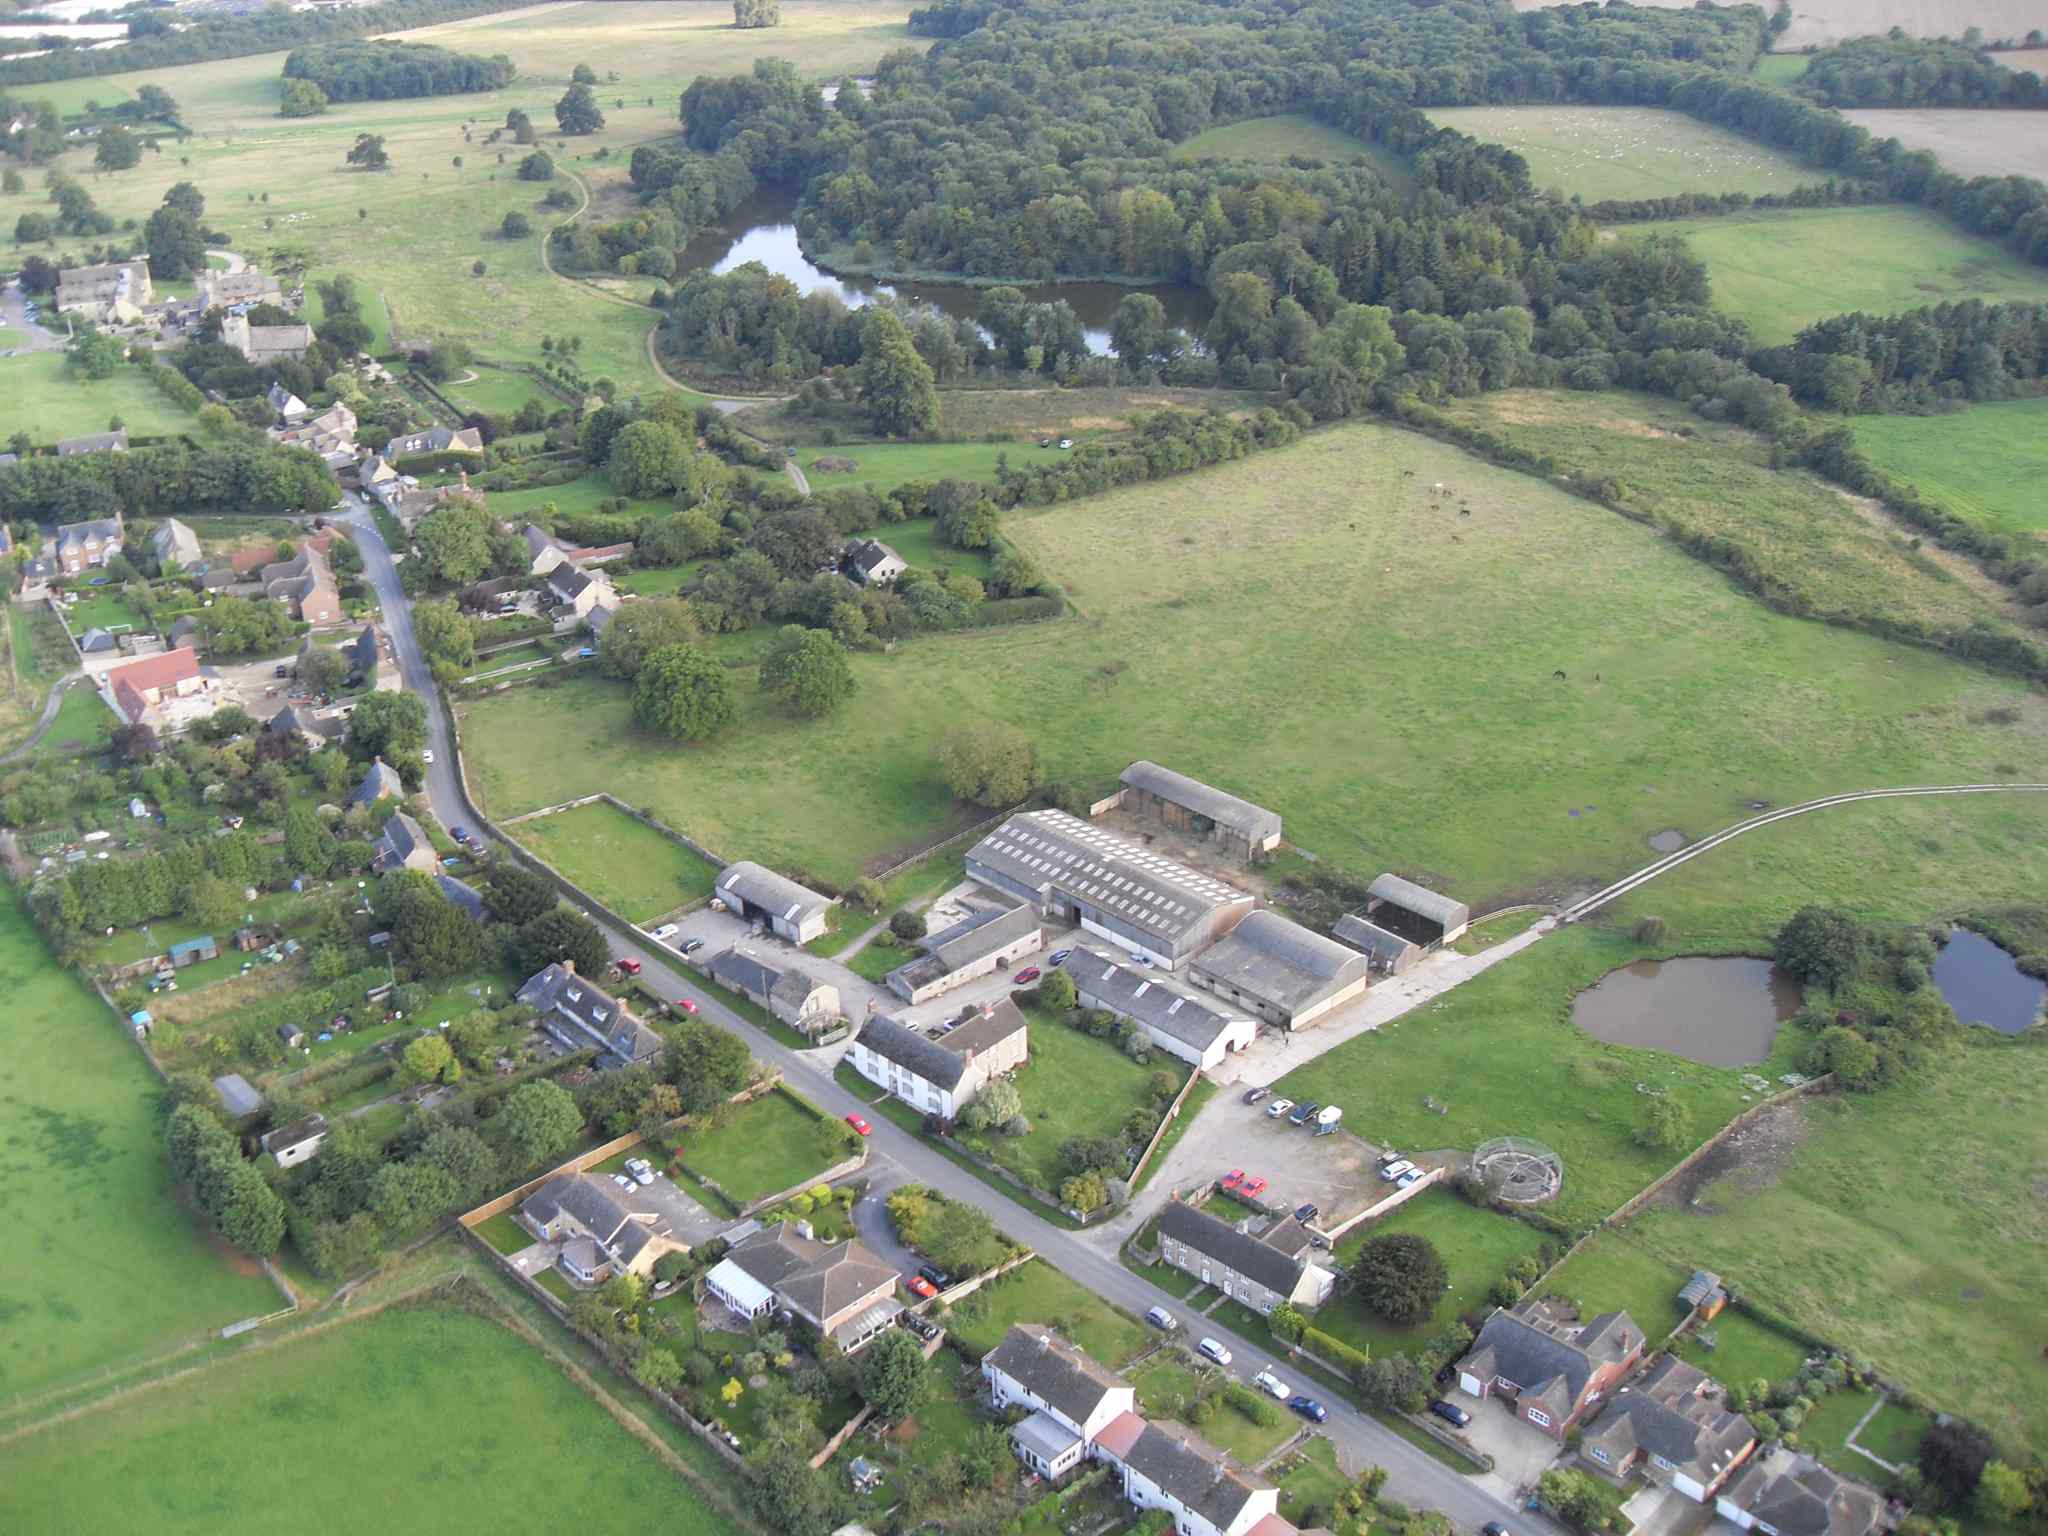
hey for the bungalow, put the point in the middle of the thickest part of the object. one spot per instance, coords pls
(261, 344)
(174, 544)
(292, 1144)
(977, 945)
(437, 440)
(1262, 1272)
(760, 895)
(579, 1017)
(841, 1289)
(942, 1076)
(1547, 1368)
(1193, 1026)
(601, 1227)
(872, 563)
(1281, 971)
(90, 543)
(1672, 1423)
(796, 997)
(405, 845)
(115, 441)
(1070, 1397)
(1794, 1495)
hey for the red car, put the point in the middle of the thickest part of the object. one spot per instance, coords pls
(1252, 1188)
(1025, 977)
(687, 1005)
(1232, 1179)
(859, 1124)
(917, 1285)
(630, 967)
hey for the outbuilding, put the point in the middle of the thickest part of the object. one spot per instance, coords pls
(792, 911)
(1188, 805)
(976, 946)
(293, 1144)
(1281, 971)
(1385, 951)
(1197, 1028)
(1428, 918)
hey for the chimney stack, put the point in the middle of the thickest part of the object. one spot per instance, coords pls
(569, 966)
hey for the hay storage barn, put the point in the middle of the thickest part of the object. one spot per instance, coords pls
(1188, 805)
(1415, 912)
(760, 895)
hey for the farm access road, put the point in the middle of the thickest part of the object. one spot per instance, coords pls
(1413, 1474)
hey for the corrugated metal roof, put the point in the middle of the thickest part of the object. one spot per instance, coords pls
(1421, 900)
(1226, 810)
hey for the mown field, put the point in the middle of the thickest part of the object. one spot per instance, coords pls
(105, 1266)
(1968, 142)
(1627, 152)
(1782, 270)
(624, 863)
(411, 235)
(1986, 463)
(49, 399)
(1275, 140)
(1309, 628)
(437, 1419)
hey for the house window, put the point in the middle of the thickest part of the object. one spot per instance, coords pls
(1539, 1418)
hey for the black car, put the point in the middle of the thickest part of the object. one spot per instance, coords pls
(1449, 1412)
(1303, 1113)
(1493, 1528)
(1253, 1095)
(1306, 1213)
(936, 1275)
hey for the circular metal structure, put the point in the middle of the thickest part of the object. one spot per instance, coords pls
(1518, 1170)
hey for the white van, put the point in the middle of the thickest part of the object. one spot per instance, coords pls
(1215, 1351)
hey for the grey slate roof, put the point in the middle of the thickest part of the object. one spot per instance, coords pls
(96, 639)
(381, 782)
(586, 1016)
(1226, 810)
(1195, 1473)
(943, 1062)
(818, 1279)
(744, 972)
(1434, 905)
(1700, 1288)
(1806, 1500)
(175, 541)
(182, 631)
(362, 651)
(769, 891)
(1146, 996)
(463, 894)
(591, 1202)
(1663, 1415)
(1270, 1265)
(76, 535)
(978, 935)
(1281, 962)
(403, 836)
(566, 582)
(868, 554)
(96, 442)
(1371, 940)
(1054, 1371)
(1539, 1361)
(1149, 892)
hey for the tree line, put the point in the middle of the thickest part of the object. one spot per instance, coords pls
(167, 480)
(383, 69)
(1900, 71)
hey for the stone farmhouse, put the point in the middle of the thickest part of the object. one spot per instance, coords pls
(113, 293)
(941, 1075)
(981, 943)
(579, 1017)
(1261, 1271)
(260, 344)
(797, 998)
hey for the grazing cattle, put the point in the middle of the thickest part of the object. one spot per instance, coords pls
(1558, 675)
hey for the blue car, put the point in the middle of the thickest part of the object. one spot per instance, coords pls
(1309, 1409)
(586, 653)
(460, 834)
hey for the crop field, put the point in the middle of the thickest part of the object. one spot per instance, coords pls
(48, 399)
(1313, 606)
(1628, 152)
(84, 1191)
(1850, 1237)
(1781, 270)
(623, 862)
(449, 1418)
(410, 236)
(1966, 142)
(1276, 140)
(1985, 463)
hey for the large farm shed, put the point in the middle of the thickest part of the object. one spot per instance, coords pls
(1188, 805)
(793, 911)
(1281, 971)
(1415, 912)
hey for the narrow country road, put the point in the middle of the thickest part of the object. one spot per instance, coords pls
(1413, 1474)
(49, 717)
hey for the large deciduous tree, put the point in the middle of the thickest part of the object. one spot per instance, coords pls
(577, 111)
(1400, 1275)
(807, 670)
(539, 1122)
(455, 541)
(895, 1377)
(638, 630)
(991, 764)
(682, 693)
(896, 384)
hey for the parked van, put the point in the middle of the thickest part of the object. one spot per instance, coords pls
(1214, 1349)
(1272, 1386)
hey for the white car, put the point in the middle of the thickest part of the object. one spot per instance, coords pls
(1272, 1386)
(622, 1181)
(1278, 1108)
(666, 932)
(1394, 1171)
(427, 756)
(1214, 1349)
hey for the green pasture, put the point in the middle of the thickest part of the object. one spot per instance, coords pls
(1619, 153)
(371, 301)
(1781, 270)
(1986, 463)
(1419, 673)
(573, 496)
(1780, 68)
(1276, 140)
(884, 466)
(623, 862)
(449, 1417)
(49, 399)
(107, 1267)
(501, 392)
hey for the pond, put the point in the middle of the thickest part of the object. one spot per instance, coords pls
(1983, 984)
(1723, 1011)
(763, 229)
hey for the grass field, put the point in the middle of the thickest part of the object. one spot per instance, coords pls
(1477, 1246)
(1920, 1277)
(623, 862)
(1782, 270)
(1418, 671)
(884, 466)
(766, 1146)
(36, 655)
(49, 399)
(1983, 463)
(448, 1417)
(1596, 153)
(85, 1192)
(1780, 68)
(1038, 1293)
(501, 392)
(1276, 140)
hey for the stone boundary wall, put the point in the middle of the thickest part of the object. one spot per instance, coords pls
(1399, 1197)
(1166, 1121)
(832, 1175)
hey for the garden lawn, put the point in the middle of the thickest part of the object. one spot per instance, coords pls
(1746, 1349)
(1477, 1247)
(943, 1425)
(1072, 1085)
(1238, 1433)
(1783, 270)
(1615, 1273)
(1984, 463)
(424, 1391)
(1291, 135)
(100, 608)
(1232, 609)
(1038, 1293)
(658, 581)
(572, 496)
(1168, 1385)
(1826, 1430)
(1623, 153)
(501, 392)
(83, 723)
(84, 1190)
(620, 860)
(1854, 1240)
(49, 399)
(504, 1234)
(765, 1146)
(1318, 1480)
(1895, 1433)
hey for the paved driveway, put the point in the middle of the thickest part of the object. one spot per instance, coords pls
(18, 334)
(1521, 1452)
(688, 1220)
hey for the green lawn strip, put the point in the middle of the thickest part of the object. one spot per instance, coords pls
(1488, 932)
(1038, 1293)
(1204, 1090)
(1596, 152)
(1613, 1273)
(1316, 1481)
(1477, 1246)
(87, 1177)
(1251, 1443)
(551, 1281)
(842, 926)
(504, 1234)
(764, 1146)
(1174, 1282)
(1977, 463)
(619, 859)
(877, 959)
(658, 581)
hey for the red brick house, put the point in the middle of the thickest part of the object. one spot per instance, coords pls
(1549, 1369)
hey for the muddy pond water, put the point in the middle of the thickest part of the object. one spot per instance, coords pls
(1720, 1010)
(1983, 984)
